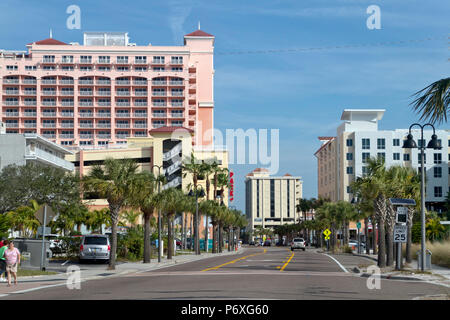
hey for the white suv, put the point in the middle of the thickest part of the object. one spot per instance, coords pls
(298, 243)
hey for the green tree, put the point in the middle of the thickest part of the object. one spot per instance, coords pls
(432, 102)
(23, 219)
(115, 181)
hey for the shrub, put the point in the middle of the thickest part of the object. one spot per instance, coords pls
(416, 232)
(347, 249)
(71, 246)
(440, 252)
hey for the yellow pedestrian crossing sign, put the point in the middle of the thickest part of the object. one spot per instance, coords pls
(327, 233)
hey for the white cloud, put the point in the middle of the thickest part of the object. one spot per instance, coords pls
(179, 10)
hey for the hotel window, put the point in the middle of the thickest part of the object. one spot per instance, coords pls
(396, 142)
(122, 68)
(177, 123)
(48, 68)
(365, 144)
(419, 158)
(437, 172)
(104, 59)
(140, 59)
(177, 69)
(272, 198)
(349, 170)
(381, 143)
(421, 143)
(177, 113)
(349, 156)
(30, 68)
(437, 158)
(85, 68)
(11, 67)
(67, 68)
(67, 59)
(176, 60)
(140, 68)
(86, 59)
(122, 59)
(438, 192)
(349, 190)
(396, 156)
(104, 68)
(381, 155)
(365, 157)
(158, 69)
(365, 170)
(349, 142)
(158, 60)
(406, 157)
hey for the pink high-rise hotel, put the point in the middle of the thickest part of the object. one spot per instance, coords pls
(108, 89)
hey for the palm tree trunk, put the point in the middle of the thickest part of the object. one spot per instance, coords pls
(206, 233)
(381, 244)
(366, 234)
(409, 236)
(214, 231)
(169, 237)
(114, 211)
(374, 236)
(147, 244)
(220, 237)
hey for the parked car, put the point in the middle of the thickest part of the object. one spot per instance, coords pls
(267, 243)
(354, 245)
(95, 247)
(298, 243)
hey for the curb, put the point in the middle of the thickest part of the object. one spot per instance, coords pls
(364, 256)
(391, 277)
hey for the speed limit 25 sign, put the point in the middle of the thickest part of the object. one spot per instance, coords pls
(400, 233)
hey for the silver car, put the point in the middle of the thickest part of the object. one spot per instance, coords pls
(298, 243)
(95, 247)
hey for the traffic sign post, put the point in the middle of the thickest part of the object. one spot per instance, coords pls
(327, 233)
(400, 236)
(358, 226)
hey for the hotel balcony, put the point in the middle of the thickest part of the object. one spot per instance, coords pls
(176, 104)
(10, 81)
(29, 81)
(103, 93)
(176, 82)
(173, 168)
(10, 114)
(29, 92)
(66, 114)
(85, 93)
(66, 136)
(122, 93)
(140, 115)
(48, 93)
(159, 83)
(104, 103)
(86, 115)
(36, 154)
(104, 82)
(48, 60)
(103, 125)
(29, 103)
(67, 103)
(177, 93)
(140, 82)
(123, 125)
(140, 104)
(174, 183)
(48, 81)
(66, 93)
(159, 104)
(158, 125)
(67, 125)
(140, 125)
(85, 81)
(12, 124)
(11, 92)
(29, 124)
(122, 82)
(103, 115)
(122, 115)
(86, 125)
(86, 104)
(49, 125)
(48, 114)
(159, 115)
(103, 136)
(86, 136)
(159, 93)
(49, 103)
(66, 81)
(122, 136)
(30, 114)
(141, 93)
(49, 135)
(123, 104)
(86, 61)
(172, 153)
(104, 61)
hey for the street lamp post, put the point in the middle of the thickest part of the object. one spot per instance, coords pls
(434, 143)
(202, 194)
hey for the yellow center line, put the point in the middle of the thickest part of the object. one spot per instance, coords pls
(290, 258)
(235, 260)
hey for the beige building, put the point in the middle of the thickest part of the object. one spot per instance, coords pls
(326, 168)
(270, 200)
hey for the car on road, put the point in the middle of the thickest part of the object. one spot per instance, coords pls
(298, 243)
(267, 243)
(95, 247)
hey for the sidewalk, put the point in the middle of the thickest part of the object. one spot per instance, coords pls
(438, 275)
(46, 281)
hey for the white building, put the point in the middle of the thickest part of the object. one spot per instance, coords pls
(358, 138)
(271, 201)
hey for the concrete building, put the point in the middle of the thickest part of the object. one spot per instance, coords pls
(342, 158)
(270, 200)
(21, 149)
(108, 89)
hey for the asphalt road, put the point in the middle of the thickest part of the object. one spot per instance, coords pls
(257, 273)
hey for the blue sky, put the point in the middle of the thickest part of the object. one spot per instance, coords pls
(301, 93)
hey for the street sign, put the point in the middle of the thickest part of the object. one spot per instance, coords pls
(40, 214)
(358, 225)
(402, 215)
(48, 231)
(402, 202)
(400, 233)
(327, 233)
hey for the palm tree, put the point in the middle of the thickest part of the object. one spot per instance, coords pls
(435, 230)
(432, 101)
(97, 218)
(171, 201)
(115, 181)
(207, 208)
(24, 220)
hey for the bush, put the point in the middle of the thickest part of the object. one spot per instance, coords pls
(131, 245)
(416, 232)
(347, 249)
(440, 252)
(70, 246)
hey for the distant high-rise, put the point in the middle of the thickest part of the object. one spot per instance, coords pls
(108, 89)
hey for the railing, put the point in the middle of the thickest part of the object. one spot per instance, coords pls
(66, 114)
(30, 114)
(159, 115)
(86, 125)
(140, 115)
(49, 125)
(177, 115)
(140, 82)
(48, 81)
(86, 136)
(11, 103)
(48, 60)
(9, 81)
(10, 114)
(67, 60)
(158, 125)
(159, 83)
(140, 125)
(30, 103)
(48, 92)
(123, 125)
(174, 167)
(140, 134)
(49, 103)
(49, 135)
(122, 115)
(175, 182)
(104, 93)
(103, 136)
(170, 154)
(12, 124)
(29, 81)
(122, 93)
(103, 115)
(85, 81)
(66, 93)
(86, 114)
(48, 114)
(67, 103)
(159, 93)
(177, 104)
(66, 136)
(140, 62)
(29, 124)
(85, 60)
(67, 125)
(66, 81)
(176, 83)
(123, 104)
(122, 61)
(159, 104)
(158, 61)
(140, 104)
(86, 104)
(103, 125)
(13, 92)
(105, 61)
(122, 82)
(29, 92)
(85, 93)
(122, 136)
(48, 157)
(104, 82)
(140, 93)
(177, 93)
(104, 104)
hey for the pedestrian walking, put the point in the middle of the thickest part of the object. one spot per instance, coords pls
(12, 256)
(3, 247)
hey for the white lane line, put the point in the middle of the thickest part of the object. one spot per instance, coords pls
(65, 262)
(340, 265)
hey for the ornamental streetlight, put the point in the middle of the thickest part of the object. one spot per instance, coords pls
(197, 193)
(435, 144)
(159, 210)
